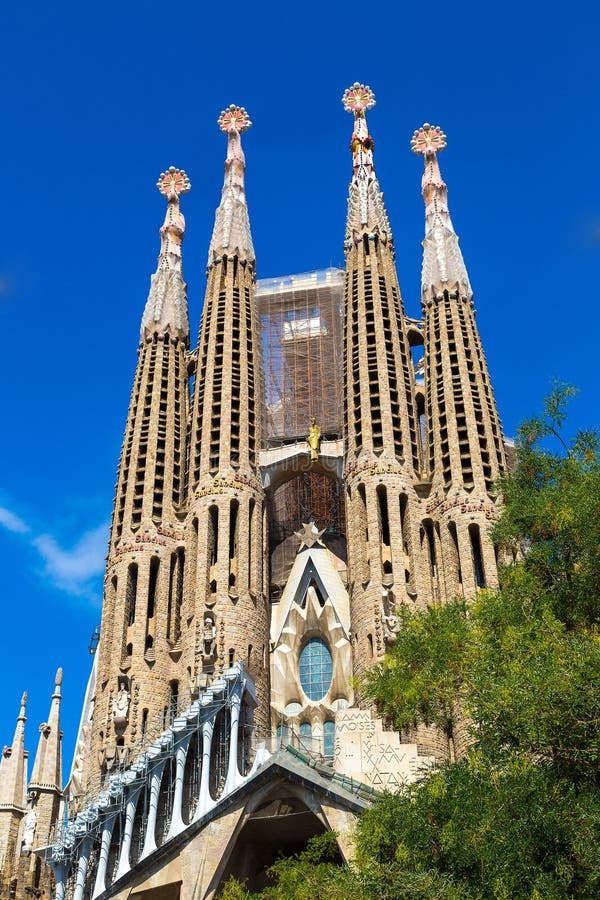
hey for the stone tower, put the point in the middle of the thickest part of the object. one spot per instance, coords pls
(382, 443)
(465, 446)
(44, 798)
(225, 582)
(29, 812)
(138, 665)
(13, 801)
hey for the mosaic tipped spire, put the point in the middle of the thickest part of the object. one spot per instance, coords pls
(231, 234)
(366, 209)
(443, 264)
(166, 307)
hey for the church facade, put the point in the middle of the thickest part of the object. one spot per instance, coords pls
(316, 461)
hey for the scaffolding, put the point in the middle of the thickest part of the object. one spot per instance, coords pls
(301, 324)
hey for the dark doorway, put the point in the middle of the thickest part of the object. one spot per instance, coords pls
(279, 827)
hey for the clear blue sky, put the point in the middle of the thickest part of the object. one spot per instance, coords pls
(98, 99)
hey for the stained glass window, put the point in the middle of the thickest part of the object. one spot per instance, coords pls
(283, 735)
(328, 737)
(316, 669)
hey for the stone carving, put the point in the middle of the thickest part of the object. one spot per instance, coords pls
(120, 707)
(29, 826)
(390, 621)
(365, 751)
(81, 754)
(209, 640)
(310, 535)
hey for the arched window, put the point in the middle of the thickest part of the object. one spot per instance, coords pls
(477, 555)
(305, 736)
(315, 669)
(328, 737)
(283, 735)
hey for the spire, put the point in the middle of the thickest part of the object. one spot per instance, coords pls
(231, 234)
(47, 766)
(366, 210)
(443, 264)
(166, 307)
(12, 765)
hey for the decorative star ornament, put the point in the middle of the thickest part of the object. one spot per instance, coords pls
(309, 536)
(428, 139)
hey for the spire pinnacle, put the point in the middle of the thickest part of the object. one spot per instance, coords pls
(443, 264)
(366, 210)
(231, 234)
(12, 765)
(46, 771)
(166, 307)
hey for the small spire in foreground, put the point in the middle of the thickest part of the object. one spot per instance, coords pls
(166, 307)
(12, 765)
(366, 210)
(231, 234)
(443, 264)
(47, 766)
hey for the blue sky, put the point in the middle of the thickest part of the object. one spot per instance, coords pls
(99, 99)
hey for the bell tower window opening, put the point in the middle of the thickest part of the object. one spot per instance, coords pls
(131, 592)
(233, 542)
(152, 582)
(384, 522)
(478, 568)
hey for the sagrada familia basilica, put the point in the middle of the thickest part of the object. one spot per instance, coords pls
(316, 462)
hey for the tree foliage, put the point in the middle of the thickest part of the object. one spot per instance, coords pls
(520, 816)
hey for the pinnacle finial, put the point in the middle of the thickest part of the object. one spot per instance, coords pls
(443, 264)
(24, 700)
(428, 139)
(58, 678)
(358, 98)
(173, 183)
(234, 118)
(166, 307)
(231, 233)
(366, 209)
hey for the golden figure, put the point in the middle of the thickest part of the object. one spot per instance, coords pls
(314, 439)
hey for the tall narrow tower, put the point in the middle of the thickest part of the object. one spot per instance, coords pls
(464, 437)
(226, 524)
(139, 666)
(44, 798)
(382, 453)
(13, 781)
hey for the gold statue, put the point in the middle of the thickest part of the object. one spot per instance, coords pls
(314, 439)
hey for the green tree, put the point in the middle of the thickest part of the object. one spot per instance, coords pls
(520, 816)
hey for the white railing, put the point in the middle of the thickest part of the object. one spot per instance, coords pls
(147, 804)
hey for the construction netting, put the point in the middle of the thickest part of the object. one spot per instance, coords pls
(301, 320)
